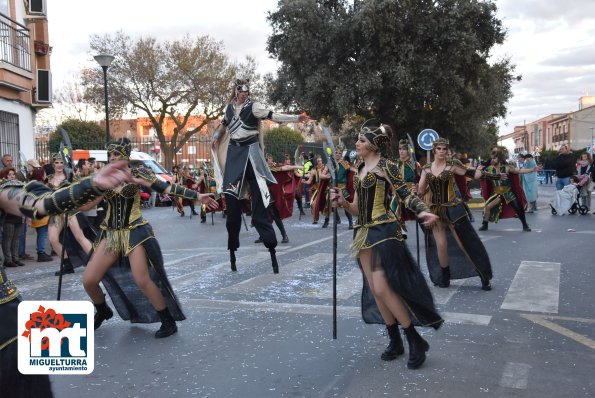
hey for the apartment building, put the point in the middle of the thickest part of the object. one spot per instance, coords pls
(25, 76)
(550, 132)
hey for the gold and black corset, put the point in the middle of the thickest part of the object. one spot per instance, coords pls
(123, 216)
(443, 191)
(374, 196)
(123, 207)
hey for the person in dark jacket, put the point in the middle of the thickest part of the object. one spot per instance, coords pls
(564, 165)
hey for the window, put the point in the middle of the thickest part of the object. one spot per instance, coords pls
(9, 135)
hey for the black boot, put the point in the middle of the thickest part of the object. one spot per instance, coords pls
(104, 312)
(274, 261)
(526, 227)
(338, 219)
(325, 225)
(193, 210)
(417, 348)
(259, 240)
(444, 277)
(484, 226)
(232, 259)
(282, 230)
(485, 285)
(168, 324)
(395, 347)
(66, 269)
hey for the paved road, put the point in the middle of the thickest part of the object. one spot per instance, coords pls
(255, 334)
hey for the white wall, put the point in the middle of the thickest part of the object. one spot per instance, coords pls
(26, 125)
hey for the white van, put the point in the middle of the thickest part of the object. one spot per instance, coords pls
(100, 155)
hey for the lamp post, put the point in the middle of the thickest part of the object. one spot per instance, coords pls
(591, 145)
(105, 60)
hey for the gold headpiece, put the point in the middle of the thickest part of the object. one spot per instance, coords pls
(122, 147)
(404, 144)
(57, 157)
(378, 137)
(440, 141)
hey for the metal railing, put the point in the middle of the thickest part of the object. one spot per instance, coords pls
(15, 48)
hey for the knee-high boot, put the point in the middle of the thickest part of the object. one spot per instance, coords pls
(417, 348)
(274, 262)
(283, 232)
(395, 347)
(104, 312)
(168, 324)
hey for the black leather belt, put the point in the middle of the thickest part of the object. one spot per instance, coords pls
(248, 141)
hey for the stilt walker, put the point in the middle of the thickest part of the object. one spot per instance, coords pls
(238, 148)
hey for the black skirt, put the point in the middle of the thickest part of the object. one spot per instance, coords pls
(129, 300)
(470, 261)
(403, 274)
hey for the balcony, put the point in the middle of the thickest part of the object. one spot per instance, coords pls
(15, 47)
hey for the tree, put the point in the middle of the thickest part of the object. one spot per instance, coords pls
(82, 134)
(413, 64)
(175, 79)
(281, 141)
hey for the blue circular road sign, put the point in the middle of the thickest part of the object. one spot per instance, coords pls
(425, 139)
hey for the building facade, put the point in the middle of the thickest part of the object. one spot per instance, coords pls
(551, 132)
(25, 76)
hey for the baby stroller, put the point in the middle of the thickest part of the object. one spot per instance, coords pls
(567, 201)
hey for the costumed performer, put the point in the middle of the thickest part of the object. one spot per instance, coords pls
(345, 175)
(439, 189)
(35, 200)
(126, 256)
(239, 149)
(394, 289)
(504, 198)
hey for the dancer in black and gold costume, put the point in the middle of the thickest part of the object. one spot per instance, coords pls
(438, 186)
(395, 290)
(35, 200)
(126, 253)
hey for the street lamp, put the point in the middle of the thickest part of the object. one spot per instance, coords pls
(105, 60)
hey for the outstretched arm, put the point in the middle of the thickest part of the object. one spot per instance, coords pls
(145, 177)
(35, 200)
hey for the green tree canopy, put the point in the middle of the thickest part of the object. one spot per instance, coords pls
(281, 141)
(83, 135)
(413, 64)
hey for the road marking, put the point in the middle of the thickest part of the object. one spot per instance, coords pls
(442, 295)
(316, 309)
(259, 283)
(515, 375)
(188, 278)
(348, 284)
(579, 338)
(535, 288)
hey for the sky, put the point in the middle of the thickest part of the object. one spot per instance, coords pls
(552, 43)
